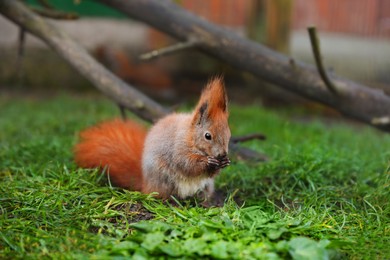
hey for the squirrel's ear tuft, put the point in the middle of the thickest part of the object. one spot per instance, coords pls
(213, 101)
(218, 97)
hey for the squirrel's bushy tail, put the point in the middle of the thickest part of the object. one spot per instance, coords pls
(117, 146)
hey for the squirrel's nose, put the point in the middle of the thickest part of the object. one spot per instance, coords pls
(222, 155)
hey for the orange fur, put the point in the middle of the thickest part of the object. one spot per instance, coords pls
(215, 94)
(116, 145)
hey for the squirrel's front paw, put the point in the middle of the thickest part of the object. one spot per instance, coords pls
(213, 164)
(225, 161)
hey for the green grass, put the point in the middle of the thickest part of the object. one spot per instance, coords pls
(324, 193)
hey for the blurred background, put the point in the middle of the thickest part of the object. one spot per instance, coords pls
(354, 35)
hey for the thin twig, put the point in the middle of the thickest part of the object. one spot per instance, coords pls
(249, 137)
(122, 109)
(45, 4)
(55, 14)
(246, 154)
(20, 55)
(315, 45)
(168, 50)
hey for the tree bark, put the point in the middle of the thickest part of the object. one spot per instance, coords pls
(357, 101)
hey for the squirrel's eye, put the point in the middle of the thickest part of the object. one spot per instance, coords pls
(207, 136)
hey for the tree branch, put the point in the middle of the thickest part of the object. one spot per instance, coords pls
(357, 101)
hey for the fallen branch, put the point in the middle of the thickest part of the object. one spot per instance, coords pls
(120, 92)
(355, 100)
(315, 45)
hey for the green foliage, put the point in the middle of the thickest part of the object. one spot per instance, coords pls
(81, 7)
(324, 193)
(228, 232)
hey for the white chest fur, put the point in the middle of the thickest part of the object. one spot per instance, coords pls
(188, 187)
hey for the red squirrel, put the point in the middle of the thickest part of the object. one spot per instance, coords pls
(180, 155)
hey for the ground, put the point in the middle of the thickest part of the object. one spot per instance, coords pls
(323, 194)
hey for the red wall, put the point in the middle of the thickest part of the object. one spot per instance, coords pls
(227, 12)
(360, 17)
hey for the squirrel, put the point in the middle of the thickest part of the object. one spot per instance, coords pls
(179, 156)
